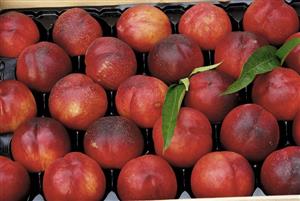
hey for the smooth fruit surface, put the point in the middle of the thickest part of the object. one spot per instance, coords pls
(142, 26)
(280, 173)
(76, 101)
(75, 177)
(74, 30)
(14, 180)
(278, 92)
(112, 141)
(38, 142)
(251, 131)
(140, 98)
(17, 105)
(109, 61)
(205, 95)
(174, 58)
(147, 177)
(205, 23)
(17, 31)
(41, 65)
(191, 140)
(235, 49)
(222, 174)
(274, 20)
(293, 59)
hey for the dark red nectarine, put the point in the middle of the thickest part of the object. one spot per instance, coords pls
(41, 65)
(77, 101)
(293, 59)
(251, 131)
(174, 58)
(17, 31)
(112, 141)
(17, 105)
(147, 177)
(191, 140)
(280, 172)
(109, 61)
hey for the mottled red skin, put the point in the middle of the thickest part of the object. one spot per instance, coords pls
(77, 101)
(75, 30)
(174, 58)
(191, 140)
(296, 129)
(38, 142)
(140, 98)
(274, 20)
(278, 92)
(235, 49)
(17, 105)
(14, 180)
(205, 23)
(75, 177)
(222, 174)
(112, 141)
(142, 26)
(17, 31)
(293, 59)
(41, 65)
(280, 172)
(205, 95)
(147, 177)
(109, 61)
(251, 131)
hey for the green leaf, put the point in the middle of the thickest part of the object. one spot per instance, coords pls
(205, 68)
(185, 82)
(170, 111)
(286, 48)
(261, 61)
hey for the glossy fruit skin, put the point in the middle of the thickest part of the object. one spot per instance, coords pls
(77, 101)
(112, 141)
(205, 95)
(14, 180)
(142, 26)
(274, 20)
(205, 23)
(41, 65)
(278, 92)
(251, 131)
(222, 174)
(296, 129)
(109, 61)
(17, 31)
(147, 177)
(280, 172)
(293, 59)
(191, 140)
(75, 43)
(140, 98)
(17, 105)
(174, 58)
(38, 142)
(235, 49)
(75, 177)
